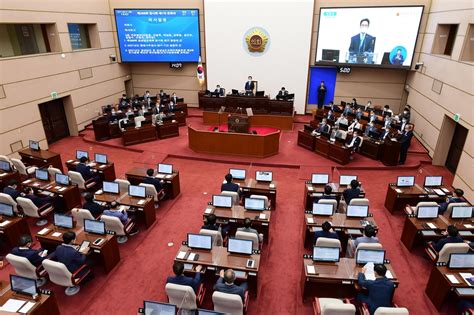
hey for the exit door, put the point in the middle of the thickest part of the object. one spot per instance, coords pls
(455, 150)
(54, 120)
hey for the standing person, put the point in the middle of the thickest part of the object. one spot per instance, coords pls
(405, 140)
(321, 94)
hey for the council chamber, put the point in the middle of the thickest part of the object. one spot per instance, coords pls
(236, 157)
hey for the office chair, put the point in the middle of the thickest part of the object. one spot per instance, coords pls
(24, 268)
(420, 204)
(22, 168)
(150, 190)
(5, 159)
(446, 251)
(365, 246)
(123, 185)
(114, 224)
(230, 303)
(216, 236)
(184, 296)
(6, 198)
(80, 215)
(391, 311)
(257, 244)
(331, 306)
(328, 242)
(234, 195)
(52, 171)
(60, 275)
(267, 203)
(77, 179)
(332, 202)
(31, 210)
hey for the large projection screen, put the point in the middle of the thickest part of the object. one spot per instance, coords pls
(368, 36)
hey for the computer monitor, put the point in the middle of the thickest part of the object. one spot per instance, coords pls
(165, 168)
(330, 55)
(34, 145)
(63, 221)
(137, 191)
(263, 176)
(199, 241)
(94, 226)
(61, 179)
(356, 211)
(100, 158)
(427, 212)
(461, 212)
(254, 204)
(433, 181)
(152, 308)
(23, 285)
(110, 187)
(239, 246)
(41, 174)
(235, 92)
(6, 209)
(80, 154)
(461, 261)
(376, 256)
(323, 209)
(222, 201)
(319, 179)
(374, 134)
(5, 166)
(237, 173)
(326, 254)
(345, 180)
(405, 181)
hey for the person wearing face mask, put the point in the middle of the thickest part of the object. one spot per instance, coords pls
(406, 115)
(403, 124)
(405, 141)
(370, 128)
(387, 122)
(174, 98)
(321, 94)
(362, 42)
(330, 115)
(323, 126)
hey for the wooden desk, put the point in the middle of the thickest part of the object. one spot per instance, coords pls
(5, 177)
(282, 122)
(145, 133)
(313, 192)
(250, 187)
(172, 188)
(107, 252)
(45, 304)
(234, 143)
(391, 152)
(167, 130)
(12, 231)
(41, 158)
(438, 286)
(236, 216)
(105, 171)
(70, 194)
(146, 210)
(372, 149)
(395, 201)
(218, 258)
(306, 140)
(333, 151)
(335, 280)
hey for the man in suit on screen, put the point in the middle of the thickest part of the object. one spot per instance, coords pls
(362, 42)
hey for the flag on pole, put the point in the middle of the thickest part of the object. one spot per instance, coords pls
(200, 72)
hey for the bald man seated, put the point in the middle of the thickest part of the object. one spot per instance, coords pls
(225, 284)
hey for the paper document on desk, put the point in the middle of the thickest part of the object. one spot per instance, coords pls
(159, 176)
(141, 202)
(431, 225)
(57, 234)
(469, 226)
(208, 210)
(311, 269)
(439, 192)
(191, 256)
(310, 188)
(388, 274)
(12, 305)
(27, 307)
(43, 231)
(467, 278)
(181, 255)
(399, 191)
(369, 271)
(4, 223)
(262, 216)
(310, 220)
(452, 279)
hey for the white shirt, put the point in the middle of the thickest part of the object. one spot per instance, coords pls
(352, 142)
(341, 120)
(353, 126)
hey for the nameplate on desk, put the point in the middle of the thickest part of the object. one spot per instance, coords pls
(4, 223)
(311, 269)
(62, 189)
(467, 277)
(27, 307)
(181, 255)
(70, 161)
(445, 190)
(310, 188)
(430, 196)
(431, 225)
(208, 210)
(271, 186)
(27, 181)
(388, 274)
(191, 256)
(43, 231)
(428, 233)
(262, 216)
(141, 202)
(452, 279)
(159, 176)
(56, 234)
(469, 226)
(103, 166)
(100, 191)
(399, 191)
(3, 174)
(346, 282)
(254, 274)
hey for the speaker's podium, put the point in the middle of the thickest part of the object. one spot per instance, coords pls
(238, 123)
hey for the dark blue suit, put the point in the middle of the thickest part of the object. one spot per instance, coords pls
(12, 192)
(221, 286)
(85, 171)
(31, 254)
(380, 292)
(438, 246)
(94, 208)
(367, 46)
(350, 194)
(444, 206)
(69, 257)
(230, 187)
(183, 280)
(153, 181)
(38, 201)
(322, 128)
(249, 86)
(405, 141)
(325, 234)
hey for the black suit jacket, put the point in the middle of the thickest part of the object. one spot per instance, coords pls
(282, 93)
(31, 254)
(249, 86)
(12, 192)
(380, 292)
(405, 139)
(322, 128)
(219, 91)
(367, 46)
(94, 208)
(231, 289)
(85, 171)
(230, 187)
(153, 181)
(38, 201)
(438, 246)
(69, 257)
(350, 194)
(183, 280)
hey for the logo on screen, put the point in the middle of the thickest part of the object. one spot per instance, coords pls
(256, 41)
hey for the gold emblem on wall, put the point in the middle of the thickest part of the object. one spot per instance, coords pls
(256, 40)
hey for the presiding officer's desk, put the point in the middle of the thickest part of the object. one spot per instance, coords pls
(171, 181)
(439, 286)
(70, 194)
(145, 206)
(340, 223)
(44, 304)
(334, 280)
(11, 228)
(259, 105)
(398, 197)
(105, 171)
(419, 230)
(5, 177)
(41, 158)
(218, 258)
(107, 252)
(236, 216)
(250, 186)
(314, 191)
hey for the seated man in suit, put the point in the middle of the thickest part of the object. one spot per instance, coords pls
(219, 91)
(352, 191)
(355, 143)
(225, 284)
(171, 106)
(368, 237)
(328, 193)
(452, 236)
(69, 255)
(85, 170)
(249, 86)
(151, 180)
(342, 120)
(457, 197)
(34, 256)
(370, 128)
(174, 98)
(325, 232)
(210, 223)
(323, 127)
(355, 125)
(11, 189)
(387, 111)
(229, 185)
(94, 208)
(330, 115)
(380, 290)
(248, 228)
(38, 201)
(359, 113)
(282, 94)
(181, 279)
(347, 110)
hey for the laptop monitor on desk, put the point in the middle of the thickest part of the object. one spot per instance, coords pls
(356, 211)
(5, 166)
(319, 179)
(427, 212)
(199, 241)
(61, 179)
(63, 221)
(151, 308)
(110, 187)
(345, 180)
(376, 256)
(94, 226)
(34, 145)
(263, 176)
(137, 191)
(41, 174)
(405, 181)
(254, 204)
(461, 212)
(433, 181)
(80, 154)
(23, 285)
(239, 246)
(6, 210)
(222, 201)
(323, 209)
(326, 254)
(461, 261)
(165, 168)
(100, 158)
(238, 174)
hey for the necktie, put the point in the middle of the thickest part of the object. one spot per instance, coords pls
(361, 44)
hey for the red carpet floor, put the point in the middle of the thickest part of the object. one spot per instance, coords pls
(147, 258)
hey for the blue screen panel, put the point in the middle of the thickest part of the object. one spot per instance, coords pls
(154, 35)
